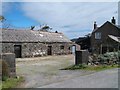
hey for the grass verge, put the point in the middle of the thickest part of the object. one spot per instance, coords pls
(91, 68)
(11, 83)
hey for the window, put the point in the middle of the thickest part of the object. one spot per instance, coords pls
(62, 47)
(97, 35)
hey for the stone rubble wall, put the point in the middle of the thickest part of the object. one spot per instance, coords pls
(38, 49)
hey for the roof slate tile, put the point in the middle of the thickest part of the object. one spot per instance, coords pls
(32, 36)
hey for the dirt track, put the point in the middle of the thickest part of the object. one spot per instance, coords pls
(42, 71)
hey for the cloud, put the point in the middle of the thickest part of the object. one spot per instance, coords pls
(5, 7)
(60, 0)
(67, 16)
(0, 8)
(119, 13)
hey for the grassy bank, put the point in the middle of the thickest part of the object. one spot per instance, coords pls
(91, 68)
(11, 82)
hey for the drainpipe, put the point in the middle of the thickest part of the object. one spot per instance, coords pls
(118, 46)
(101, 49)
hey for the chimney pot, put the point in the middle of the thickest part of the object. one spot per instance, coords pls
(113, 20)
(95, 25)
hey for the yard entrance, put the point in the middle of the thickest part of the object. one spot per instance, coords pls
(17, 51)
(73, 49)
(40, 71)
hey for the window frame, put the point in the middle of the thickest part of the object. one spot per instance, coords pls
(98, 35)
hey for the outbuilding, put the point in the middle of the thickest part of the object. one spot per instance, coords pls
(32, 43)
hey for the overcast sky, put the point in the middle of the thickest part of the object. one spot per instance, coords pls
(74, 19)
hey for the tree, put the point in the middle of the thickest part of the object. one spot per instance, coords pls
(46, 28)
(4, 23)
(2, 18)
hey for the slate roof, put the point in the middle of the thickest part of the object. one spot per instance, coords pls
(117, 26)
(32, 36)
(117, 39)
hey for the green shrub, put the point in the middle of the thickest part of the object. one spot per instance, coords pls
(91, 67)
(109, 57)
(119, 55)
(74, 67)
(12, 83)
(4, 78)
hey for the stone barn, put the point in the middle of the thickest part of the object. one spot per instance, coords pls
(32, 43)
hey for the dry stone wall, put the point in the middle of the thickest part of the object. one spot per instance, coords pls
(38, 49)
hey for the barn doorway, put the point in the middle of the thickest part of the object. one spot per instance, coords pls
(17, 51)
(73, 49)
(49, 51)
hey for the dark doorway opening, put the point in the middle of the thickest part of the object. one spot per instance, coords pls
(49, 52)
(17, 51)
(104, 50)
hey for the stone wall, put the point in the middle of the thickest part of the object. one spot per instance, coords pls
(37, 49)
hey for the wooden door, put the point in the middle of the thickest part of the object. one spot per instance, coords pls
(49, 50)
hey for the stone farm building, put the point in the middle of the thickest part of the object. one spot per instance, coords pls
(32, 43)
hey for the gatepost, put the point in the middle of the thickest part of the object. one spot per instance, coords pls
(10, 60)
(81, 57)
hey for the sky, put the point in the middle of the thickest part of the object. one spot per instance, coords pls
(74, 19)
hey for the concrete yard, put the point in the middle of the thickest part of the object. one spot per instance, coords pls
(44, 72)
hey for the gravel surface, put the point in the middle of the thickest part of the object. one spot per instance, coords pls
(46, 70)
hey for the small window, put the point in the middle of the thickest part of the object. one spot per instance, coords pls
(62, 47)
(97, 35)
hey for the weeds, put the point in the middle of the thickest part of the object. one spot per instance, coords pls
(91, 68)
(11, 82)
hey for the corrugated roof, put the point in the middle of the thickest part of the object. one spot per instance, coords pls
(32, 36)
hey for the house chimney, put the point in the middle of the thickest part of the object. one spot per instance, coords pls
(113, 20)
(56, 31)
(95, 25)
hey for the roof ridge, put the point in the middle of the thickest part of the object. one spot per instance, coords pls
(32, 36)
(30, 30)
(113, 24)
(104, 24)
